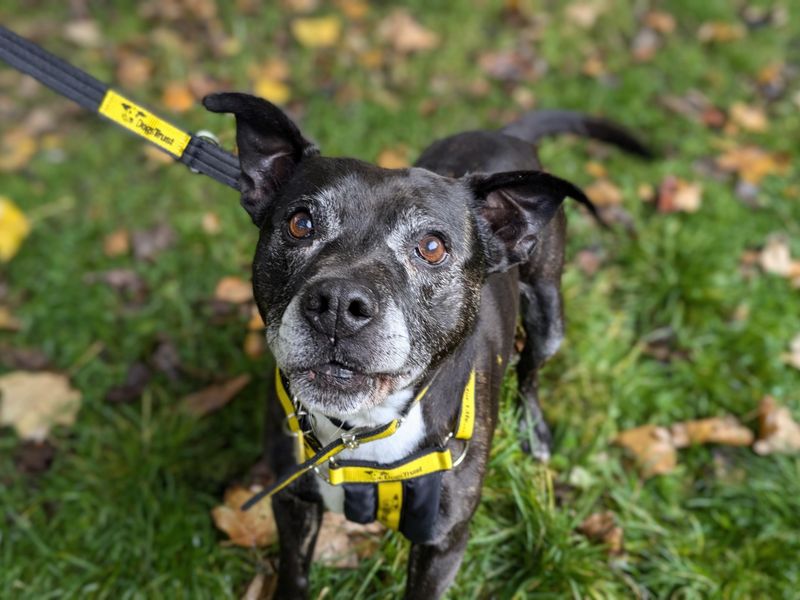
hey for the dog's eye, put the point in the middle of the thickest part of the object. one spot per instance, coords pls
(300, 225)
(431, 249)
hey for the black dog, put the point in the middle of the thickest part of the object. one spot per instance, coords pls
(391, 296)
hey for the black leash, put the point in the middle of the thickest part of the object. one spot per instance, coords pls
(196, 152)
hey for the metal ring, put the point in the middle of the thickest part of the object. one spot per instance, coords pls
(463, 454)
(288, 430)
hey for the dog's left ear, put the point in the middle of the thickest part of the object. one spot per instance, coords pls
(270, 147)
(515, 207)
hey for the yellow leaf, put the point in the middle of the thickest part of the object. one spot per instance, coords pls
(178, 97)
(117, 243)
(33, 402)
(393, 158)
(604, 193)
(17, 148)
(273, 90)
(750, 118)
(14, 228)
(233, 290)
(317, 32)
(255, 527)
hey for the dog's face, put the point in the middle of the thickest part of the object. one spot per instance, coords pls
(367, 277)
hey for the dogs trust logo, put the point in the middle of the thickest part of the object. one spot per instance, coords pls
(131, 114)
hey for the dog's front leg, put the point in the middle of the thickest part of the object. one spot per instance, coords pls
(433, 567)
(298, 514)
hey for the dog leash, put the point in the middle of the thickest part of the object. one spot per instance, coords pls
(199, 152)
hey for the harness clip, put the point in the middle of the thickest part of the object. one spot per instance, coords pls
(349, 440)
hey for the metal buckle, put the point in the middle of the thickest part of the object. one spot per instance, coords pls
(209, 137)
(461, 456)
(349, 440)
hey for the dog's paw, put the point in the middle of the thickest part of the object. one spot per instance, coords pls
(535, 436)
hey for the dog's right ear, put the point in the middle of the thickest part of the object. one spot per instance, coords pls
(270, 147)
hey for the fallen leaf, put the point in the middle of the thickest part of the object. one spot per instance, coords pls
(117, 243)
(752, 163)
(594, 67)
(211, 223)
(660, 21)
(651, 447)
(32, 457)
(149, 243)
(317, 32)
(720, 32)
(214, 397)
(256, 323)
(793, 357)
(342, 543)
(133, 70)
(17, 147)
(8, 322)
(602, 528)
(273, 90)
(177, 97)
(253, 344)
(585, 14)
(405, 34)
(34, 402)
(750, 118)
(645, 44)
(595, 169)
(261, 587)
(778, 432)
(604, 193)
(136, 380)
(251, 528)
(14, 228)
(715, 430)
(83, 32)
(353, 9)
(393, 158)
(677, 195)
(775, 257)
(233, 290)
(588, 261)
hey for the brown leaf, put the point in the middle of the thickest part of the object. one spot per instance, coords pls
(604, 193)
(778, 432)
(136, 380)
(133, 70)
(117, 243)
(602, 528)
(342, 543)
(211, 223)
(752, 163)
(177, 97)
(234, 290)
(254, 344)
(405, 34)
(660, 21)
(250, 529)
(17, 147)
(33, 402)
(214, 397)
(149, 243)
(255, 323)
(677, 195)
(393, 158)
(651, 447)
(8, 322)
(584, 14)
(715, 430)
(317, 32)
(645, 44)
(720, 32)
(32, 457)
(750, 118)
(83, 32)
(353, 9)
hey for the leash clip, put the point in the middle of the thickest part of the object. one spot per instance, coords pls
(350, 441)
(206, 136)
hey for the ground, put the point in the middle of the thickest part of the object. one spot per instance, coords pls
(672, 324)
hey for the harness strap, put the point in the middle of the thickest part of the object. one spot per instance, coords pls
(197, 153)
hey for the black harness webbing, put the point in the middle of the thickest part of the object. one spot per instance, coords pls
(197, 153)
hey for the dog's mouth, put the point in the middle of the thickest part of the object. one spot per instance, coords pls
(336, 374)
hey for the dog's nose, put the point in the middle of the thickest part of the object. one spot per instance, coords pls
(339, 307)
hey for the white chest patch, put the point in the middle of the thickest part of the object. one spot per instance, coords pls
(400, 444)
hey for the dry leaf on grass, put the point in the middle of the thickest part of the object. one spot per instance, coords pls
(32, 403)
(715, 430)
(317, 32)
(393, 158)
(8, 322)
(405, 34)
(14, 228)
(585, 14)
(17, 147)
(677, 195)
(604, 193)
(778, 431)
(117, 243)
(262, 586)
(251, 528)
(793, 356)
(254, 344)
(274, 90)
(211, 223)
(233, 290)
(149, 243)
(83, 32)
(660, 21)
(178, 97)
(651, 447)
(342, 543)
(750, 118)
(214, 397)
(602, 528)
(775, 257)
(720, 32)
(133, 69)
(752, 163)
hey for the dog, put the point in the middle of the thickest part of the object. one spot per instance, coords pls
(392, 296)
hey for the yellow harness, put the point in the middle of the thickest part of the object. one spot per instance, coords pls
(388, 479)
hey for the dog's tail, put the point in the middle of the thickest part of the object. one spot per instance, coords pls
(534, 126)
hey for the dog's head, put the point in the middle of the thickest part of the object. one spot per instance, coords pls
(367, 277)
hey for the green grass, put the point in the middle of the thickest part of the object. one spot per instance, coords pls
(124, 510)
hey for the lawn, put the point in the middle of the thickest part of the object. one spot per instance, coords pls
(670, 315)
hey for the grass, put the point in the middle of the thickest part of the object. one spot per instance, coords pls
(124, 510)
